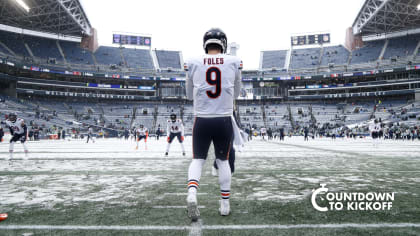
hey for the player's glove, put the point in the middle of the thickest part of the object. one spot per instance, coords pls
(168, 139)
(182, 138)
(23, 139)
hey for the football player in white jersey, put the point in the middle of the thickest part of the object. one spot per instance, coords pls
(213, 83)
(263, 132)
(90, 135)
(18, 131)
(174, 128)
(142, 133)
(374, 129)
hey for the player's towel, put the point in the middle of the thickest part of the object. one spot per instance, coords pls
(239, 136)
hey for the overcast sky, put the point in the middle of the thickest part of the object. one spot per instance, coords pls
(254, 25)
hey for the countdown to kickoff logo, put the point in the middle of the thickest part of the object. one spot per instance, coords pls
(323, 200)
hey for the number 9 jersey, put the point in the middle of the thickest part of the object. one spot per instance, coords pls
(213, 82)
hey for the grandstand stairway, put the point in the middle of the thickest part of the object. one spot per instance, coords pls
(321, 54)
(288, 59)
(416, 51)
(29, 50)
(123, 58)
(154, 59)
(313, 119)
(61, 52)
(381, 56)
(155, 117)
(133, 117)
(349, 59)
(94, 58)
(292, 121)
(264, 114)
(8, 49)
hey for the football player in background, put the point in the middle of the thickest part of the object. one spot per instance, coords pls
(374, 129)
(90, 135)
(213, 83)
(142, 133)
(18, 131)
(263, 132)
(174, 128)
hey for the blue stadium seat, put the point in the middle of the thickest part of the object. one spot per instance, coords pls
(369, 53)
(401, 47)
(168, 59)
(138, 58)
(337, 55)
(43, 48)
(305, 58)
(108, 55)
(275, 59)
(14, 41)
(75, 54)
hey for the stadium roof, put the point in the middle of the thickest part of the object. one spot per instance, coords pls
(53, 16)
(387, 16)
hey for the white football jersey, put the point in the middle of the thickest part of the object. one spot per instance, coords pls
(16, 126)
(142, 131)
(213, 82)
(263, 130)
(175, 127)
(375, 127)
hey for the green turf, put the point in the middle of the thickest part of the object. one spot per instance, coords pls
(265, 190)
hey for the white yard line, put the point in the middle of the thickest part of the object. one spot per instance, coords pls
(174, 207)
(182, 173)
(210, 227)
(314, 226)
(92, 227)
(183, 194)
(196, 228)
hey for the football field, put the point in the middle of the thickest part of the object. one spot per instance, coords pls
(110, 188)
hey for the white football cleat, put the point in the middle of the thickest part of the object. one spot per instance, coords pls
(214, 171)
(224, 209)
(192, 207)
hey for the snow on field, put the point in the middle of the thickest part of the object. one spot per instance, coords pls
(112, 170)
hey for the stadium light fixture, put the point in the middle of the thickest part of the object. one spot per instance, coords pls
(418, 7)
(23, 5)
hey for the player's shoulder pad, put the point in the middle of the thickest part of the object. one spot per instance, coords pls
(179, 120)
(169, 121)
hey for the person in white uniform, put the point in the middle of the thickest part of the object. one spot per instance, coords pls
(213, 83)
(174, 128)
(18, 131)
